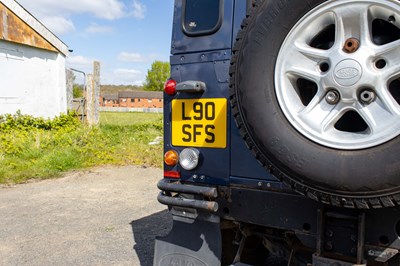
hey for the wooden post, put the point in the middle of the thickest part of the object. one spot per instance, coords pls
(70, 88)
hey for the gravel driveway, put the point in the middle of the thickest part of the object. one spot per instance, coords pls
(106, 216)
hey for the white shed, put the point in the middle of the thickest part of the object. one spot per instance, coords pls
(32, 65)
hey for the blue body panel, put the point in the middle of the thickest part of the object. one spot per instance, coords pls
(214, 164)
(207, 59)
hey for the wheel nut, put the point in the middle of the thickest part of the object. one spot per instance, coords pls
(328, 246)
(367, 96)
(329, 233)
(332, 97)
(351, 45)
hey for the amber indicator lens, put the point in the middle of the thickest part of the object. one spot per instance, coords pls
(171, 158)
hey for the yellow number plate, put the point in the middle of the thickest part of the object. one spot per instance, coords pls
(199, 122)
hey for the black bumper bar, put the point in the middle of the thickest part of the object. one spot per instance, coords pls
(167, 187)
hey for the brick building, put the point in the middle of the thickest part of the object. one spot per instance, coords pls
(109, 101)
(141, 99)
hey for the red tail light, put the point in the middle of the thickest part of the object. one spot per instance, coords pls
(170, 87)
(172, 174)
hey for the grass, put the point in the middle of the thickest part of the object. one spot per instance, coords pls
(127, 119)
(38, 150)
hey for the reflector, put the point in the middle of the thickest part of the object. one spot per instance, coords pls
(172, 174)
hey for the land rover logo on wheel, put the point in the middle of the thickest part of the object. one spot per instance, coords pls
(347, 72)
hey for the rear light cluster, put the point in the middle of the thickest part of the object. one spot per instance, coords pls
(188, 158)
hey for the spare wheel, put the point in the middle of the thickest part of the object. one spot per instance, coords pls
(315, 91)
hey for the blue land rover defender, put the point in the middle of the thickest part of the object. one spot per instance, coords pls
(282, 123)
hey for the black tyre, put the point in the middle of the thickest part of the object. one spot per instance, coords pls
(315, 91)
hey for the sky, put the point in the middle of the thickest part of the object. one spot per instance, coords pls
(125, 36)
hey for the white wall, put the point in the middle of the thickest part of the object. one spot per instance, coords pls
(31, 80)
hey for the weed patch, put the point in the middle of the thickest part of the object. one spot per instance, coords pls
(39, 148)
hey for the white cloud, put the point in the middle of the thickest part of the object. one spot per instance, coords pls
(131, 57)
(94, 28)
(106, 9)
(139, 9)
(128, 72)
(124, 76)
(58, 25)
(61, 23)
(79, 62)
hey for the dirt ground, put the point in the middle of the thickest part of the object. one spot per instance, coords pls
(105, 216)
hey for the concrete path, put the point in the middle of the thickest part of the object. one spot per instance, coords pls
(106, 216)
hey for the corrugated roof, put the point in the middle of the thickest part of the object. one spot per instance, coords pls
(141, 94)
(36, 25)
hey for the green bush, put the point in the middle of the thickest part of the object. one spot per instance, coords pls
(26, 122)
(43, 148)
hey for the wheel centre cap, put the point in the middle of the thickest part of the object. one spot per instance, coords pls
(347, 72)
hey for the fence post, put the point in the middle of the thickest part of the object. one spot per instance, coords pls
(70, 88)
(96, 91)
(89, 100)
(92, 95)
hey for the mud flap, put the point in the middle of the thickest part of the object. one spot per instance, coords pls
(191, 241)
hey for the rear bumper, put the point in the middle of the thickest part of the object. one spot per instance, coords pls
(195, 238)
(202, 197)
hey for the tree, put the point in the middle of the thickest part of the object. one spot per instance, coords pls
(77, 91)
(156, 76)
